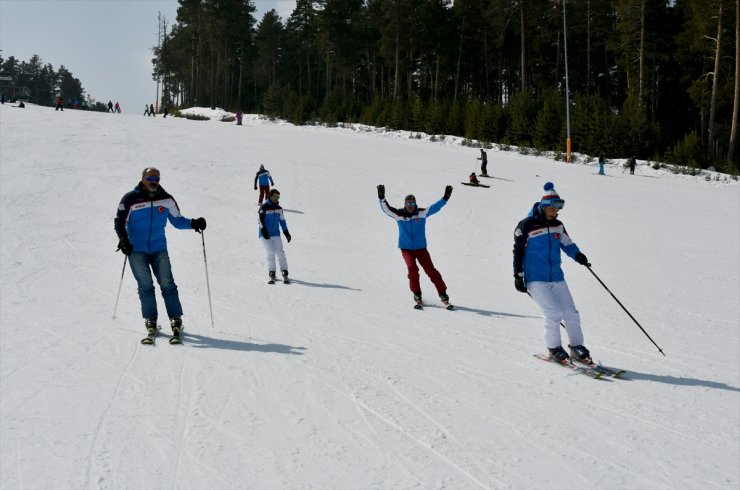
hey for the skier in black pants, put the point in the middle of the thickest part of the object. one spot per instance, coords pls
(483, 163)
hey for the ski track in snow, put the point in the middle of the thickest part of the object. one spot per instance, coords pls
(335, 381)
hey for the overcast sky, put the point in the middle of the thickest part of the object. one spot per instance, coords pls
(105, 43)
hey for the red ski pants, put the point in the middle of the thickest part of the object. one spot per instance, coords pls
(264, 189)
(422, 255)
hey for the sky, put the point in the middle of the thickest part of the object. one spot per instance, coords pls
(335, 381)
(105, 43)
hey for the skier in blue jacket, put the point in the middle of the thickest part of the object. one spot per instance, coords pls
(538, 240)
(271, 219)
(412, 241)
(140, 221)
(264, 179)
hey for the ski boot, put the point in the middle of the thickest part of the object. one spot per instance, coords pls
(417, 300)
(151, 331)
(445, 301)
(285, 277)
(580, 353)
(176, 324)
(558, 355)
(272, 278)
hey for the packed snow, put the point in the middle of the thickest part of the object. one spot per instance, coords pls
(335, 381)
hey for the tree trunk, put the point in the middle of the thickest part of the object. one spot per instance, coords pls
(523, 59)
(715, 84)
(641, 71)
(397, 60)
(588, 47)
(459, 58)
(731, 159)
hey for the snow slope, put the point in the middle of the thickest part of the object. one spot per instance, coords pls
(335, 381)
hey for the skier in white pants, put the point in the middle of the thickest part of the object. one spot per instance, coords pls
(271, 219)
(538, 239)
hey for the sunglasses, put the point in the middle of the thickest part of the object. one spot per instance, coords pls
(151, 178)
(410, 203)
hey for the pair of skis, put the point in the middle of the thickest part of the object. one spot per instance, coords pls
(418, 305)
(590, 369)
(149, 339)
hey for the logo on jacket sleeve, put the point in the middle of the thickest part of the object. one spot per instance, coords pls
(161, 209)
(557, 236)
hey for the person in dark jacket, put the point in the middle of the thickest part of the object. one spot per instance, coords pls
(538, 240)
(151, 110)
(264, 180)
(411, 220)
(271, 219)
(632, 163)
(140, 222)
(110, 106)
(483, 163)
(59, 104)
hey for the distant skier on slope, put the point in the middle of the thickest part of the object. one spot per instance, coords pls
(271, 219)
(538, 239)
(264, 180)
(472, 179)
(140, 221)
(483, 163)
(411, 220)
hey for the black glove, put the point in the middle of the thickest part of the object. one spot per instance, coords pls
(125, 246)
(265, 233)
(255, 187)
(198, 224)
(381, 191)
(519, 284)
(448, 192)
(287, 235)
(581, 259)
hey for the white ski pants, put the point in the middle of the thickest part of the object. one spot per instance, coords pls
(274, 247)
(557, 304)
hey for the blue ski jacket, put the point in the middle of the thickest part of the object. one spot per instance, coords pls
(263, 178)
(411, 226)
(141, 217)
(537, 245)
(271, 217)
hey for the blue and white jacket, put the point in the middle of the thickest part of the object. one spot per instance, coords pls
(141, 217)
(271, 217)
(537, 244)
(411, 226)
(264, 178)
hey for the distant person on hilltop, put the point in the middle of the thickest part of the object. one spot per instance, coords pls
(165, 111)
(601, 164)
(21, 104)
(146, 110)
(238, 118)
(264, 180)
(110, 106)
(117, 108)
(483, 163)
(538, 239)
(411, 220)
(151, 110)
(632, 163)
(59, 104)
(2, 98)
(140, 222)
(271, 219)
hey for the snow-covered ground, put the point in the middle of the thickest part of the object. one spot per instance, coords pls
(335, 381)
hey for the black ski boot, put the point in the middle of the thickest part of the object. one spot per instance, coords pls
(558, 355)
(285, 277)
(272, 278)
(580, 353)
(446, 301)
(417, 300)
(151, 325)
(176, 324)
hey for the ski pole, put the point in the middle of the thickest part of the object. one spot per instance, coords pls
(115, 308)
(625, 309)
(208, 283)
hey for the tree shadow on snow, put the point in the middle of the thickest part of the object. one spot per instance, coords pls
(325, 285)
(492, 313)
(634, 375)
(203, 342)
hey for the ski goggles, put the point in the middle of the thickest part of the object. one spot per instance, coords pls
(556, 203)
(410, 203)
(152, 178)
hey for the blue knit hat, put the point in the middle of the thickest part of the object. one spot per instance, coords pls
(551, 197)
